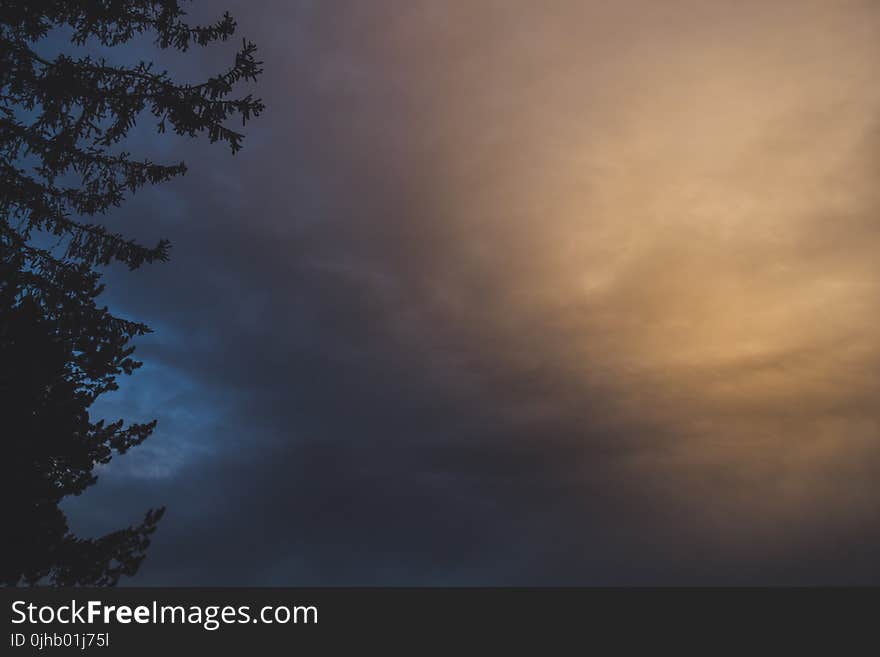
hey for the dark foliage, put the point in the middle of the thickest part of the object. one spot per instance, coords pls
(62, 121)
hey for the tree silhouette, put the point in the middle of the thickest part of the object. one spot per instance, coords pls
(62, 123)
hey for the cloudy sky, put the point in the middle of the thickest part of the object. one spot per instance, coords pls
(516, 292)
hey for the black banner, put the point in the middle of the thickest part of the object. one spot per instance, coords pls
(158, 620)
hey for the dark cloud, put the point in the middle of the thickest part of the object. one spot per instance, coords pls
(467, 309)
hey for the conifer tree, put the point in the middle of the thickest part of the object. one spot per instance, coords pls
(63, 170)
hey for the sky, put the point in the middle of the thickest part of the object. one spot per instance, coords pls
(515, 293)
